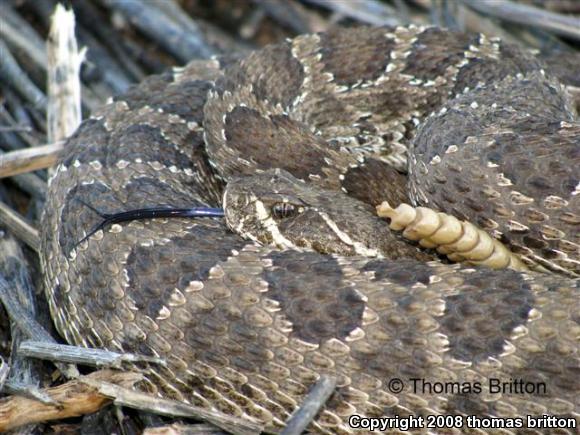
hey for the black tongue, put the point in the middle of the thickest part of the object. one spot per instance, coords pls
(151, 213)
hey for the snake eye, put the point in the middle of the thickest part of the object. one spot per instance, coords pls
(282, 210)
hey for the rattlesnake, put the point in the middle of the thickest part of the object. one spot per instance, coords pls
(247, 329)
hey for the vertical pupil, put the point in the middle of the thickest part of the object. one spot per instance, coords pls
(283, 210)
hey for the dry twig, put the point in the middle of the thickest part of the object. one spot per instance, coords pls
(368, 12)
(172, 408)
(19, 227)
(286, 13)
(81, 355)
(11, 73)
(315, 400)
(21, 315)
(74, 398)
(182, 429)
(29, 159)
(151, 20)
(529, 16)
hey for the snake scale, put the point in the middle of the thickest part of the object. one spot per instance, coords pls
(318, 284)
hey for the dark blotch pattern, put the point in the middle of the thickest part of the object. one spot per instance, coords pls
(427, 63)
(319, 309)
(374, 181)
(268, 141)
(362, 55)
(440, 132)
(140, 95)
(408, 274)
(134, 142)
(85, 143)
(279, 82)
(487, 70)
(154, 272)
(142, 190)
(478, 323)
(186, 99)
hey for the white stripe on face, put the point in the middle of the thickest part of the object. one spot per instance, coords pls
(358, 247)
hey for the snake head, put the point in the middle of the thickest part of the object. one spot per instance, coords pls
(275, 208)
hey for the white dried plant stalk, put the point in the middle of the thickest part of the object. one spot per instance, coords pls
(64, 85)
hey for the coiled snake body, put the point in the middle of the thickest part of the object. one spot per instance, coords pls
(248, 328)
